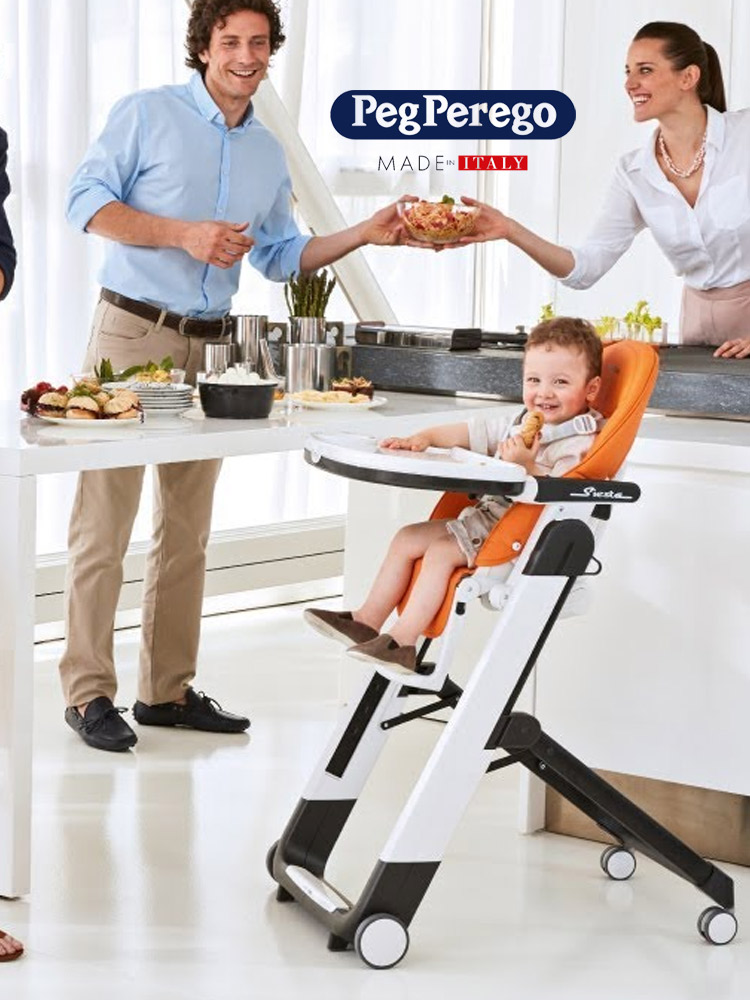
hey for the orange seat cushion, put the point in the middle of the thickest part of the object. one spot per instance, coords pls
(629, 372)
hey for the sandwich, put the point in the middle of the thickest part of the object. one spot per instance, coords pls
(122, 406)
(356, 386)
(51, 404)
(82, 408)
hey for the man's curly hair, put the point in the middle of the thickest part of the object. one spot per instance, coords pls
(206, 14)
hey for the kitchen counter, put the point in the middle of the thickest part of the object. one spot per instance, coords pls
(691, 381)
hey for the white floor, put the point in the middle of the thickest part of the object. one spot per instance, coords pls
(149, 877)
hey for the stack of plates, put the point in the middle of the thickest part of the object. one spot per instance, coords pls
(163, 399)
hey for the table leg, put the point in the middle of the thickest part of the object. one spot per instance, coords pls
(17, 578)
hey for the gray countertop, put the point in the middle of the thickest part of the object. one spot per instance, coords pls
(691, 380)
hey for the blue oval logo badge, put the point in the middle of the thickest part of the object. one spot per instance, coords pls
(453, 114)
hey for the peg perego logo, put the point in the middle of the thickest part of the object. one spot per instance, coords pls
(453, 114)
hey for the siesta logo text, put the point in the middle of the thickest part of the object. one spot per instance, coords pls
(453, 114)
(592, 493)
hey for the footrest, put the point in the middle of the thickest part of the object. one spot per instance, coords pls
(411, 679)
(319, 891)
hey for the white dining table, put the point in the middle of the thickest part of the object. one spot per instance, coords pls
(30, 448)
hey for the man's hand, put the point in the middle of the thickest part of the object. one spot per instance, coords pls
(384, 228)
(513, 449)
(737, 348)
(221, 244)
(417, 442)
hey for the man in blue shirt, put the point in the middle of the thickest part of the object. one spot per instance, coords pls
(183, 182)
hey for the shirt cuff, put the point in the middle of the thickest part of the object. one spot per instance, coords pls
(575, 278)
(87, 204)
(292, 255)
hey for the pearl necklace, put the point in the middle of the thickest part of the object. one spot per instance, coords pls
(694, 166)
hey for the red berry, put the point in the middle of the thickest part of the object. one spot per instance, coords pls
(43, 387)
(62, 389)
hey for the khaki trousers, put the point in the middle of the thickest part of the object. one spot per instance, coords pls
(104, 509)
(715, 315)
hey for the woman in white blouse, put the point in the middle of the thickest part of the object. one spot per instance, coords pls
(690, 185)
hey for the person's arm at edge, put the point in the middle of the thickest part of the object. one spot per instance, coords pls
(7, 250)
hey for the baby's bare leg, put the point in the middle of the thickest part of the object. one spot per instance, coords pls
(440, 560)
(394, 575)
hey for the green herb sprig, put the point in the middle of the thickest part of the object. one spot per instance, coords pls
(106, 373)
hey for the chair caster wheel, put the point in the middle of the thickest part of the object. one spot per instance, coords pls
(270, 859)
(381, 941)
(617, 863)
(717, 925)
(283, 895)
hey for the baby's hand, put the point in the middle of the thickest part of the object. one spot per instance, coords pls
(416, 442)
(513, 449)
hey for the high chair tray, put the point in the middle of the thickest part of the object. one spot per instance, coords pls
(454, 470)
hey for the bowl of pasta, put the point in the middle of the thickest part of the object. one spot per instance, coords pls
(442, 221)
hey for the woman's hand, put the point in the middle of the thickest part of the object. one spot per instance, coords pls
(416, 442)
(737, 348)
(490, 225)
(513, 449)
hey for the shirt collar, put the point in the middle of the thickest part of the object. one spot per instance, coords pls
(716, 127)
(645, 158)
(209, 108)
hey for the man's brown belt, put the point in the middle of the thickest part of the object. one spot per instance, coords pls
(186, 325)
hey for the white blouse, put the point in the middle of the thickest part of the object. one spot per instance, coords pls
(708, 245)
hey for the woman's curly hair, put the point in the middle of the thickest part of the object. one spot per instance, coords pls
(206, 14)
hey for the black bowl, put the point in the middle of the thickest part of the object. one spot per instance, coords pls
(237, 402)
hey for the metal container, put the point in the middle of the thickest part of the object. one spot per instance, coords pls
(308, 366)
(217, 356)
(307, 330)
(434, 338)
(247, 333)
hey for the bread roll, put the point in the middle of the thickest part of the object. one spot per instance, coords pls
(82, 408)
(532, 424)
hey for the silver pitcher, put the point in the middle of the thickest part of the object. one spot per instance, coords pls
(247, 333)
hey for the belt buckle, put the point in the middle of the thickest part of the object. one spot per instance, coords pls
(184, 320)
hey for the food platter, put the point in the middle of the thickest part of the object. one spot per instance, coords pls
(311, 404)
(91, 424)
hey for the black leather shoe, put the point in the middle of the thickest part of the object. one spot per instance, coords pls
(102, 725)
(198, 712)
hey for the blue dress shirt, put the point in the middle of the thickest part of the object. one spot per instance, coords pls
(169, 152)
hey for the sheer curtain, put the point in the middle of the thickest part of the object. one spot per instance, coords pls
(64, 63)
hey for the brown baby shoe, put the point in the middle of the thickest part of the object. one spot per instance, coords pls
(339, 625)
(385, 650)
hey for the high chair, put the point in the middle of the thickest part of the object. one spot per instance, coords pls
(549, 535)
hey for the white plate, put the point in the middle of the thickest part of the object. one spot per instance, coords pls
(316, 405)
(166, 411)
(89, 423)
(150, 388)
